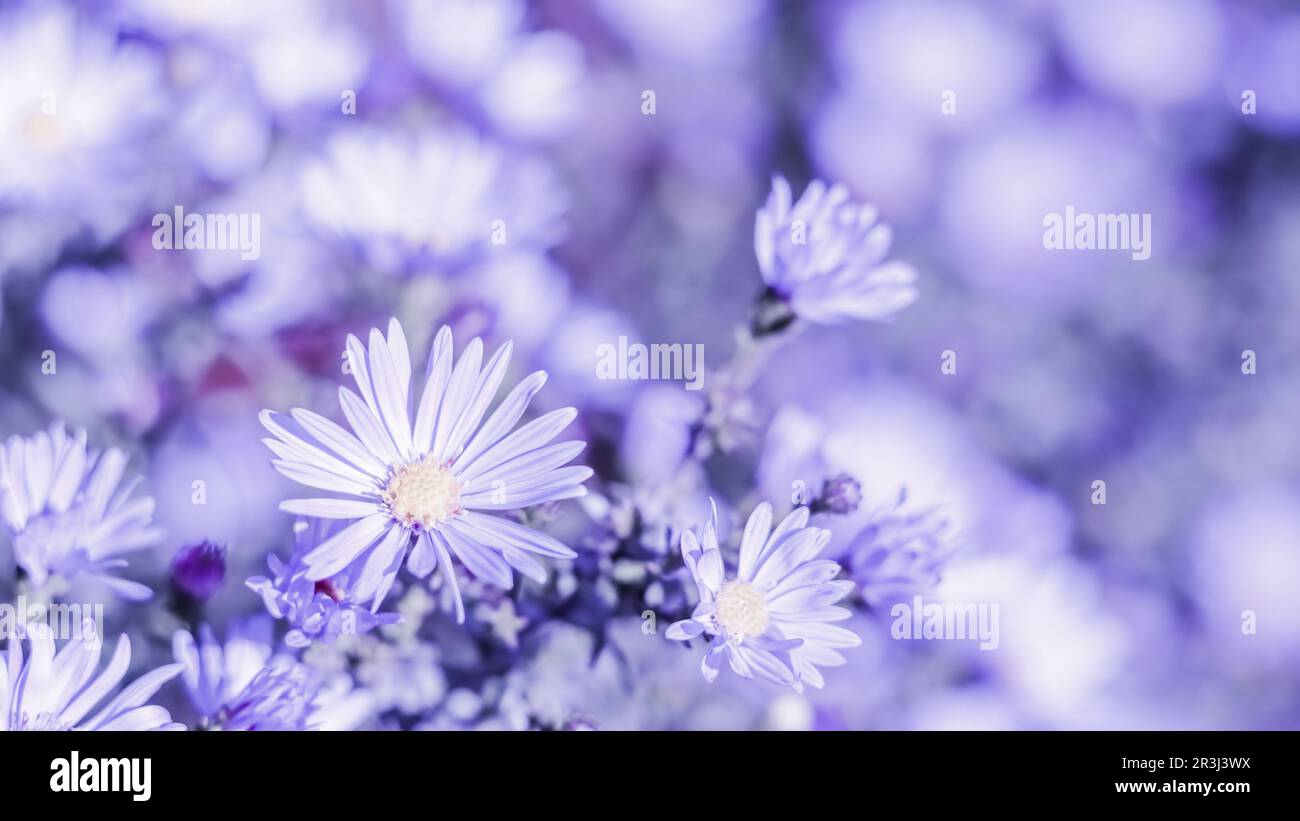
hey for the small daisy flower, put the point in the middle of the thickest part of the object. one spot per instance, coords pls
(50, 691)
(773, 618)
(238, 685)
(316, 610)
(66, 512)
(434, 486)
(824, 256)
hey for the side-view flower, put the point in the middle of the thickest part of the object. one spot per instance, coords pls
(238, 685)
(431, 487)
(66, 512)
(773, 617)
(50, 691)
(825, 255)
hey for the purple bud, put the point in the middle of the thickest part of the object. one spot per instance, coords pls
(199, 570)
(841, 494)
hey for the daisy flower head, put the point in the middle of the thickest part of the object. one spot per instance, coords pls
(60, 691)
(238, 685)
(429, 482)
(773, 618)
(319, 610)
(824, 256)
(68, 511)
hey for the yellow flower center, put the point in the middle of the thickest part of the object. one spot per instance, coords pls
(423, 493)
(740, 610)
(44, 133)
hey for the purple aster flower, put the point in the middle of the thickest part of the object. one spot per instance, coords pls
(434, 486)
(238, 686)
(824, 256)
(198, 571)
(899, 553)
(67, 513)
(774, 617)
(58, 691)
(320, 610)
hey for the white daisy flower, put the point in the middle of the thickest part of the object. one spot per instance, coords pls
(773, 618)
(435, 485)
(58, 691)
(825, 256)
(66, 512)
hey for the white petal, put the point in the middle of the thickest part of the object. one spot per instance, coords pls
(343, 548)
(330, 508)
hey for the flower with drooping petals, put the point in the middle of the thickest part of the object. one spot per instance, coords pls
(238, 685)
(773, 618)
(67, 513)
(58, 691)
(431, 481)
(824, 256)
